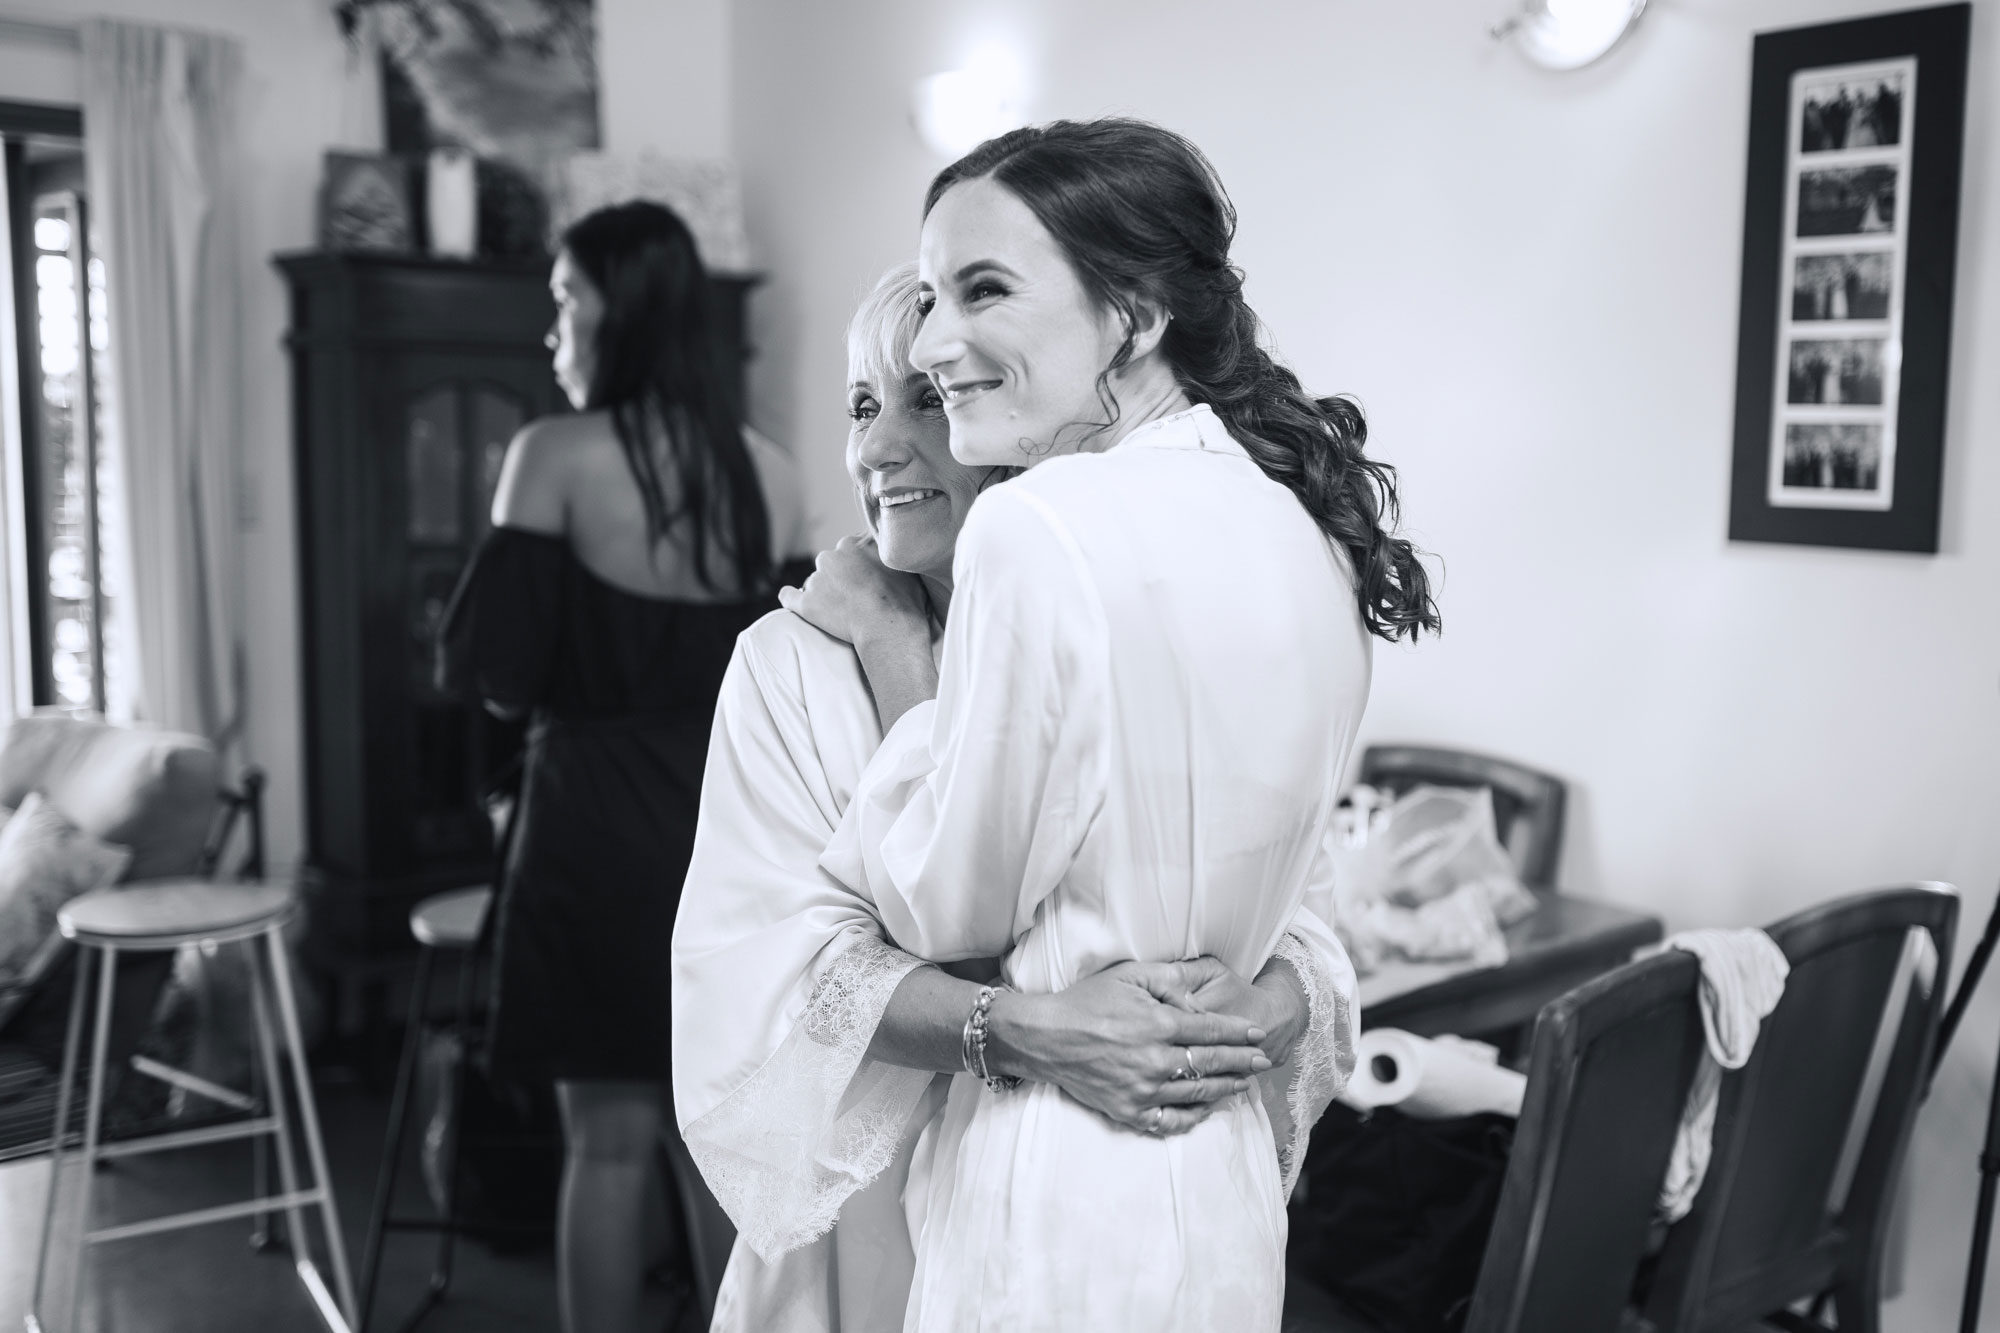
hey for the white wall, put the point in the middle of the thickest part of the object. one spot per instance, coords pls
(38, 61)
(1531, 281)
(665, 71)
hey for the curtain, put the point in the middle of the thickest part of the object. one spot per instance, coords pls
(159, 126)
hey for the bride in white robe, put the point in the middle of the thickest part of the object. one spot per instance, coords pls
(782, 975)
(1157, 660)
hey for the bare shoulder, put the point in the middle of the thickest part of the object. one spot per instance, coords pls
(542, 461)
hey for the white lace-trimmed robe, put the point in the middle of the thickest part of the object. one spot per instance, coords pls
(1150, 683)
(780, 977)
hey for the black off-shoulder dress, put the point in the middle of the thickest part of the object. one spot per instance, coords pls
(621, 689)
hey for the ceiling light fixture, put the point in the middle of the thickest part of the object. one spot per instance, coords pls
(1569, 34)
(959, 109)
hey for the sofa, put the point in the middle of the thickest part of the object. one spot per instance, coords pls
(158, 793)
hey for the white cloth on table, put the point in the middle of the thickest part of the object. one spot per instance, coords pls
(1151, 681)
(781, 974)
(1742, 979)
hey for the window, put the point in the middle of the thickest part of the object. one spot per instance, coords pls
(65, 474)
(78, 485)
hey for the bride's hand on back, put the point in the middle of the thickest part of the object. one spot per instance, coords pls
(1275, 1002)
(1115, 1044)
(853, 596)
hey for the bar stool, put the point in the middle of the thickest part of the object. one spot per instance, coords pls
(451, 921)
(161, 916)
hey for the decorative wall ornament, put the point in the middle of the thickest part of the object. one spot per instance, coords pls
(1849, 245)
(513, 82)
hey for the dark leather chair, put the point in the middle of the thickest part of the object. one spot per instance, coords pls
(1527, 804)
(1765, 1232)
(1609, 1072)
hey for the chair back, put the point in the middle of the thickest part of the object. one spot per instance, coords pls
(1527, 804)
(1610, 1069)
(241, 805)
(1765, 1230)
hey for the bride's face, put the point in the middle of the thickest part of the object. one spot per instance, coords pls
(1011, 338)
(913, 493)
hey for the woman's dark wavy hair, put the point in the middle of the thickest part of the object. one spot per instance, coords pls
(1144, 220)
(658, 371)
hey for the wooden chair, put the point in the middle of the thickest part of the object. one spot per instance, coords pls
(1527, 804)
(1765, 1231)
(1610, 1069)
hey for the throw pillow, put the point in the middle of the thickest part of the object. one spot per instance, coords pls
(44, 862)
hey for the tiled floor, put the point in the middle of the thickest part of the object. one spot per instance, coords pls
(208, 1280)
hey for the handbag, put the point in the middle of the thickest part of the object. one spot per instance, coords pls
(1395, 1213)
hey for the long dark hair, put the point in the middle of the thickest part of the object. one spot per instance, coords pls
(657, 369)
(1143, 219)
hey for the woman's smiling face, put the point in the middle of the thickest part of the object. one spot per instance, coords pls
(913, 493)
(1011, 338)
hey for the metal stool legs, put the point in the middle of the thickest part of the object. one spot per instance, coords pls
(380, 1223)
(71, 1036)
(392, 1152)
(274, 968)
(288, 1012)
(270, 981)
(448, 1235)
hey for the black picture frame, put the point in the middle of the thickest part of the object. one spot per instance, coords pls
(368, 203)
(1850, 238)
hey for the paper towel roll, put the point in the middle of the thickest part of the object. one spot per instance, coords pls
(1429, 1080)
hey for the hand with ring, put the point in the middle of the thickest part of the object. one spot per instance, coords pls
(1131, 1044)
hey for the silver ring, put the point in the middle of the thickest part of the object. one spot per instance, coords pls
(1159, 1114)
(1194, 1070)
(1181, 1074)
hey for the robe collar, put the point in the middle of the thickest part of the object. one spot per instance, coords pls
(1196, 428)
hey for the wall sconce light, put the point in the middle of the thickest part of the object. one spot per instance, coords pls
(1569, 34)
(956, 111)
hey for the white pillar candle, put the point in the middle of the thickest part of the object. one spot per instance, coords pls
(451, 203)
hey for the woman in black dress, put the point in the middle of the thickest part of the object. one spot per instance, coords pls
(631, 543)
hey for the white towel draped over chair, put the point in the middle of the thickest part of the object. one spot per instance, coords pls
(1742, 979)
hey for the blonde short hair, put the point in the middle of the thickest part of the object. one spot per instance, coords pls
(880, 334)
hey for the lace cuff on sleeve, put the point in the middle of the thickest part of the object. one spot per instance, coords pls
(1321, 1062)
(818, 1120)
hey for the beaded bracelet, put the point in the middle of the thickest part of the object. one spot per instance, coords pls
(973, 1046)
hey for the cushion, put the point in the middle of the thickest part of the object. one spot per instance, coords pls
(153, 791)
(44, 862)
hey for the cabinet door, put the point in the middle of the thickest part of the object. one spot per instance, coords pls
(439, 442)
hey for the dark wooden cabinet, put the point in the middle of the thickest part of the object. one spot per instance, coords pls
(409, 377)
